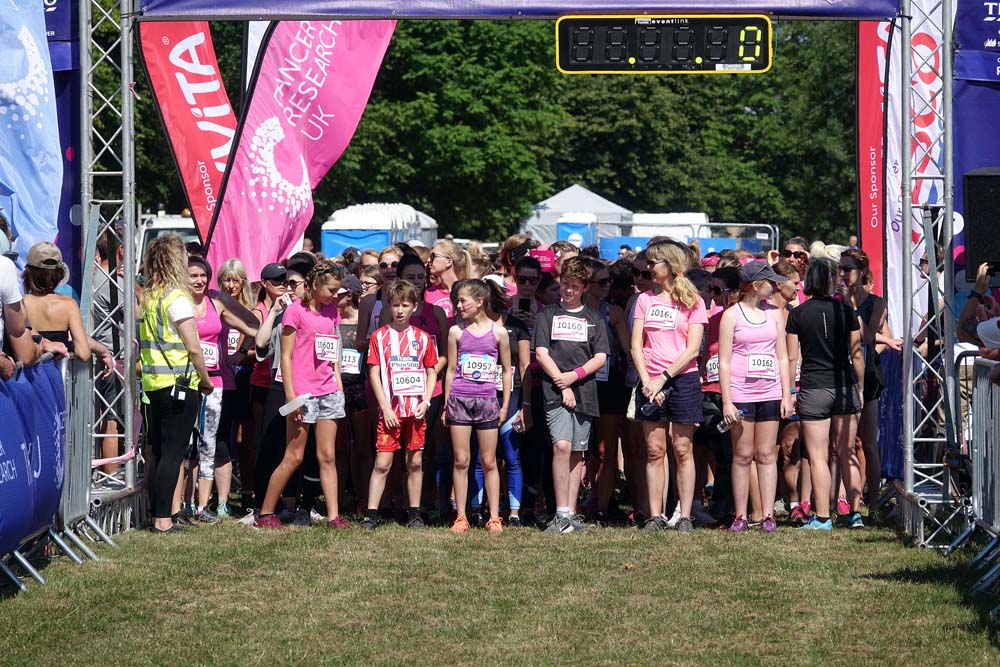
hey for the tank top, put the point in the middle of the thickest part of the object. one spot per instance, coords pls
(754, 374)
(426, 321)
(209, 335)
(477, 366)
(261, 376)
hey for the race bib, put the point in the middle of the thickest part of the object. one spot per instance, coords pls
(762, 366)
(408, 383)
(568, 328)
(327, 347)
(478, 367)
(661, 316)
(232, 342)
(712, 369)
(211, 353)
(350, 361)
(798, 371)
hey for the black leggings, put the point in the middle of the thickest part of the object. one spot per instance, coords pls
(169, 423)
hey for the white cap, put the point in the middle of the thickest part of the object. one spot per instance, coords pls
(989, 333)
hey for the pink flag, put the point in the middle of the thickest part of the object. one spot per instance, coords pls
(311, 89)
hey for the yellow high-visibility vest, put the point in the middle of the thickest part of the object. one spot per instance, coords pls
(164, 357)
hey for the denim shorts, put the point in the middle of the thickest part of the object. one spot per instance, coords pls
(323, 408)
(683, 406)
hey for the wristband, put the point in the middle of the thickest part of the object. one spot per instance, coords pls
(667, 375)
(580, 373)
(793, 391)
(973, 294)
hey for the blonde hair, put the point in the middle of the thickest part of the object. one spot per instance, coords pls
(368, 252)
(371, 271)
(678, 258)
(165, 268)
(390, 250)
(234, 267)
(475, 248)
(512, 243)
(460, 258)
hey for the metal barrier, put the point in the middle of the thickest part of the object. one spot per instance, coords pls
(985, 456)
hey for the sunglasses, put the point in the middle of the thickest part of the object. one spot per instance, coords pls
(847, 268)
(604, 282)
(295, 283)
(387, 265)
(714, 289)
(646, 275)
(797, 254)
(368, 284)
(527, 280)
(277, 283)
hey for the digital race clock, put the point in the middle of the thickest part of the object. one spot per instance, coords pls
(693, 44)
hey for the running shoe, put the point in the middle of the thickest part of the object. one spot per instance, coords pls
(224, 511)
(769, 525)
(806, 507)
(799, 515)
(316, 516)
(367, 523)
(494, 525)
(579, 524)
(476, 518)
(739, 525)
(302, 518)
(461, 525)
(206, 515)
(268, 521)
(250, 519)
(701, 515)
(843, 509)
(675, 517)
(339, 522)
(415, 521)
(654, 524)
(285, 515)
(685, 525)
(855, 521)
(816, 524)
(514, 521)
(779, 507)
(753, 523)
(173, 530)
(559, 524)
(182, 519)
(637, 518)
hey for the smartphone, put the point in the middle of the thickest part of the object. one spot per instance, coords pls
(524, 305)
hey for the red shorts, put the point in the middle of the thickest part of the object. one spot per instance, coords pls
(390, 439)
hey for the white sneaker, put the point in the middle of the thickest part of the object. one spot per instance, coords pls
(675, 517)
(316, 516)
(701, 515)
(779, 507)
(249, 519)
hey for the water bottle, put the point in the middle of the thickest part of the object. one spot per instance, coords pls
(724, 426)
(293, 404)
(649, 408)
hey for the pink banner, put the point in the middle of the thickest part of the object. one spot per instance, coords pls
(187, 87)
(312, 87)
(871, 137)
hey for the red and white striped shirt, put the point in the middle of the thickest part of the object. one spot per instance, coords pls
(403, 358)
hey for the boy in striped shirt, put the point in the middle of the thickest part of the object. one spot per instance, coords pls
(401, 367)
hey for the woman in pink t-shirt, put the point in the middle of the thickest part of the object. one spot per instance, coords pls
(310, 364)
(666, 339)
(448, 263)
(753, 375)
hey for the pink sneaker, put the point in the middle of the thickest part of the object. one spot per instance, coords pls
(843, 509)
(339, 522)
(806, 507)
(268, 521)
(798, 515)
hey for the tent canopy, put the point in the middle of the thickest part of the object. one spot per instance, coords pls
(576, 204)
(500, 9)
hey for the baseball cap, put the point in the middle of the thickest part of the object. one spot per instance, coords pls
(759, 270)
(302, 262)
(989, 333)
(47, 256)
(273, 271)
(350, 284)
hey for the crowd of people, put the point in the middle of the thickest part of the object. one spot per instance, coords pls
(539, 386)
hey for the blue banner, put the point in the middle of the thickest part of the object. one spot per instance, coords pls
(580, 234)
(31, 166)
(32, 452)
(977, 25)
(503, 9)
(61, 20)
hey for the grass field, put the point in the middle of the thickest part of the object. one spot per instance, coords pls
(229, 595)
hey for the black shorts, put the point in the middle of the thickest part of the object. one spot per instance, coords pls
(683, 406)
(354, 397)
(761, 411)
(823, 403)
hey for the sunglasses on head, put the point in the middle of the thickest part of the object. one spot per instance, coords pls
(527, 280)
(647, 275)
(387, 265)
(797, 254)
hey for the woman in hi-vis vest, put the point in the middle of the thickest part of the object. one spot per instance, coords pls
(174, 377)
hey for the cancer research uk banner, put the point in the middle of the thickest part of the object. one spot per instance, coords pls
(182, 68)
(31, 164)
(311, 89)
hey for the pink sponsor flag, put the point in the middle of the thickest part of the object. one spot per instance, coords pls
(311, 88)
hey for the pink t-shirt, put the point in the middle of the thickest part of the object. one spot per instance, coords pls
(754, 373)
(317, 345)
(442, 299)
(665, 329)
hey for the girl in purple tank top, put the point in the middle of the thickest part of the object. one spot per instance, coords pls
(754, 379)
(477, 351)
